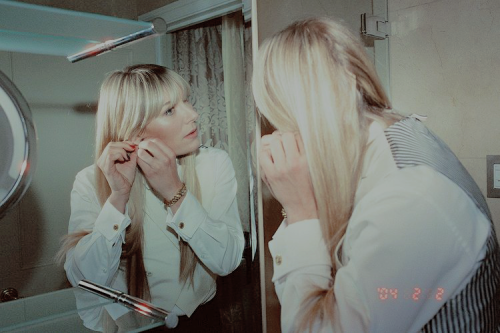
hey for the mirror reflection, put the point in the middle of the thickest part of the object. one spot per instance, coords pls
(156, 215)
(63, 98)
(17, 145)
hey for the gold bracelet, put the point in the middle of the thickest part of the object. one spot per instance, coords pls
(283, 213)
(176, 197)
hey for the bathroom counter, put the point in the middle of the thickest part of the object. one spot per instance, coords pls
(61, 311)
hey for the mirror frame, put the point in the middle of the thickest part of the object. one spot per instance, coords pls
(27, 167)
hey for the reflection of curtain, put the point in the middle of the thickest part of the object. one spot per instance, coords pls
(197, 57)
(216, 61)
(234, 86)
(249, 105)
(210, 58)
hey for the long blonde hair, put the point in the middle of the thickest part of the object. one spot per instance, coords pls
(315, 78)
(129, 100)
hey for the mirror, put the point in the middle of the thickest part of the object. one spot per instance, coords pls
(17, 145)
(62, 97)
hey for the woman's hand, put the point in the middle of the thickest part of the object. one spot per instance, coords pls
(118, 163)
(285, 170)
(158, 164)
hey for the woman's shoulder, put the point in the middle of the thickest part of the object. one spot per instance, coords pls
(421, 197)
(211, 151)
(86, 172)
(214, 163)
(418, 183)
(211, 155)
(86, 176)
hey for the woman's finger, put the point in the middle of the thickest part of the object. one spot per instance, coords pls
(118, 151)
(145, 158)
(149, 151)
(290, 146)
(145, 167)
(125, 145)
(277, 152)
(300, 144)
(150, 147)
(111, 157)
(160, 154)
(266, 162)
(265, 141)
(118, 164)
(164, 149)
(266, 168)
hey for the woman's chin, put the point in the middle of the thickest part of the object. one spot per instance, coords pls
(189, 148)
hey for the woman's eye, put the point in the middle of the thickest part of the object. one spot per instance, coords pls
(169, 112)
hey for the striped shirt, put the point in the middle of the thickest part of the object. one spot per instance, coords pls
(477, 307)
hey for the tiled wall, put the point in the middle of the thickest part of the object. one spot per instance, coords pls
(445, 63)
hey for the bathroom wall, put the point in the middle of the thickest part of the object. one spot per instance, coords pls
(123, 8)
(129, 9)
(445, 63)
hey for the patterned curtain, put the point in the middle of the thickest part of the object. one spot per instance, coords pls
(234, 78)
(216, 59)
(197, 57)
(208, 56)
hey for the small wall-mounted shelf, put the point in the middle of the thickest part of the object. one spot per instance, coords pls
(45, 30)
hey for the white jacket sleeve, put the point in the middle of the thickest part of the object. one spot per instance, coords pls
(407, 250)
(301, 263)
(214, 232)
(96, 256)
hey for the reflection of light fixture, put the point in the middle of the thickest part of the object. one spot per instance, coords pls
(17, 145)
(47, 30)
(158, 26)
(24, 168)
(130, 302)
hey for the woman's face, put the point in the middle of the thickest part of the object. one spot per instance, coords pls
(175, 127)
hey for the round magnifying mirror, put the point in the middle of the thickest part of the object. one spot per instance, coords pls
(17, 145)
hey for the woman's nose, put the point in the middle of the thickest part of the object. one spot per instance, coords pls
(191, 114)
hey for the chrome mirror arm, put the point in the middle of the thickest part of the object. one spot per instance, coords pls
(134, 303)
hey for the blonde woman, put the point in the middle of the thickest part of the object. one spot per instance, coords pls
(385, 231)
(156, 216)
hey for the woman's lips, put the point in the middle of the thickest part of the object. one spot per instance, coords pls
(193, 133)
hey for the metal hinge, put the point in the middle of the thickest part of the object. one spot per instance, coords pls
(375, 27)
